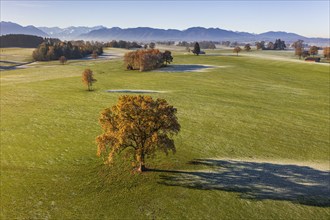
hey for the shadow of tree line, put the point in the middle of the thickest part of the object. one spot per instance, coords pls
(256, 181)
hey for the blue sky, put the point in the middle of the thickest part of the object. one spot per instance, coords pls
(309, 18)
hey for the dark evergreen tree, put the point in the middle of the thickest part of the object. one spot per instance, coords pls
(279, 45)
(197, 49)
(152, 45)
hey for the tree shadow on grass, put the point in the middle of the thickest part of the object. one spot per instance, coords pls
(256, 181)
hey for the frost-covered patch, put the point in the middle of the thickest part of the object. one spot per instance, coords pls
(188, 68)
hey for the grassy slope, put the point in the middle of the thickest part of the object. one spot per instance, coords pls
(263, 109)
(16, 54)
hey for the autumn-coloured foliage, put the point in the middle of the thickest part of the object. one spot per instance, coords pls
(326, 52)
(139, 124)
(298, 52)
(62, 59)
(53, 49)
(88, 79)
(145, 60)
(237, 50)
(298, 43)
(313, 50)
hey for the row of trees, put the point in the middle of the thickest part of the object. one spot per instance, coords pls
(132, 45)
(301, 52)
(22, 40)
(168, 43)
(51, 50)
(202, 44)
(123, 44)
(145, 60)
(237, 49)
(278, 45)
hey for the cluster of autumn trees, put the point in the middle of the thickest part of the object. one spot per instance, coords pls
(326, 52)
(300, 50)
(138, 125)
(53, 50)
(145, 60)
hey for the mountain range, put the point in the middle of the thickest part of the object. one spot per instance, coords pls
(68, 33)
(13, 28)
(142, 34)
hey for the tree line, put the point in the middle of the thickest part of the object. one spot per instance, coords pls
(302, 52)
(123, 44)
(53, 50)
(202, 44)
(22, 40)
(168, 43)
(278, 45)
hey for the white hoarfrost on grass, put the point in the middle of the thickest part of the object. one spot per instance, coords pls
(188, 68)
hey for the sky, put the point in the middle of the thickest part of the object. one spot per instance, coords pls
(310, 18)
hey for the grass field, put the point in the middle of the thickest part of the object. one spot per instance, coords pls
(16, 54)
(254, 142)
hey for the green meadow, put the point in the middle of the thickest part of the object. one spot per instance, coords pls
(254, 141)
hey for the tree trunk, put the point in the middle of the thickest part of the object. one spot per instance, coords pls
(141, 167)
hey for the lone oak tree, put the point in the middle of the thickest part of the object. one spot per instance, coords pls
(237, 50)
(139, 123)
